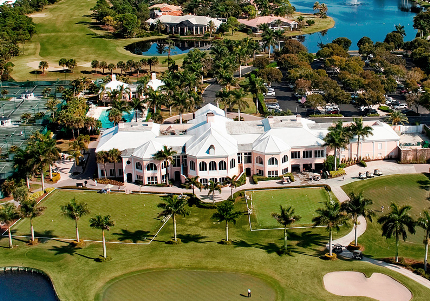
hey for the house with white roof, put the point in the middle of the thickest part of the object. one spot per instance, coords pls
(185, 25)
(273, 22)
(214, 147)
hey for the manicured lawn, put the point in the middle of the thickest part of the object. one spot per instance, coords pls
(304, 200)
(187, 285)
(135, 216)
(410, 190)
(77, 276)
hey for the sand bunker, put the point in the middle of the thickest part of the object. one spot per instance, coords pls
(35, 65)
(37, 15)
(378, 286)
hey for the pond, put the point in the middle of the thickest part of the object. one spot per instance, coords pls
(159, 47)
(26, 286)
(357, 18)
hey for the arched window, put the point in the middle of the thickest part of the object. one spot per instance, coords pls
(212, 165)
(211, 150)
(192, 165)
(285, 158)
(151, 167)
(232, 163)
(138, 165)
(259, 160)
(163, 164)
(203, 166)
(273, 161)
(222, 165)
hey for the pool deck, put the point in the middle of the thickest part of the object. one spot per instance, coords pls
(95, 111)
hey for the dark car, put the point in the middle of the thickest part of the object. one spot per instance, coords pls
(370, 111)
(310, 112)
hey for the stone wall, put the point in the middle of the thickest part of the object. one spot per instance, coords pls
(414, 155)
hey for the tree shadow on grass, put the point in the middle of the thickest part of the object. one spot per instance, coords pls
(307, 239)
(242, 244)
(65, 249)
(44, 236)
(186, 238)
(134, 237)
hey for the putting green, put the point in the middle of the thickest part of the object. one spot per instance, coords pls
(186, 285)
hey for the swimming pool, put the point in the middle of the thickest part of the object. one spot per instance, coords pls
(104, 118)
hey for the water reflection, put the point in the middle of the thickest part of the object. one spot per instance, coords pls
(162, 47)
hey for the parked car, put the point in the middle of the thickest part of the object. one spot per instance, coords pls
(400, 106)
(370, 111)
(274, 110)
(269, 93)
(272, 105)
(312, 112)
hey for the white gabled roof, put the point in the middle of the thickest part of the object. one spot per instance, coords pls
(147, 150)
(111, 138)
(209, 108)
(270, 144)
(115, 84)
(223, 143)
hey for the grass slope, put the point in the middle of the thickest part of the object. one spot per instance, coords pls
(298, 276)
(400, 189)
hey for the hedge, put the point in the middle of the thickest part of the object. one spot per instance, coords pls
(385, 109)
(36, 195)
(262, 105)
(326, 115)
(242, 180)
(256, 178)
(337, 173)
(49, 189)
(56, 177)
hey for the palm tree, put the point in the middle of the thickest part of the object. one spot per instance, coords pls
(52, 105)
(223, 96)
(172, 206)
(334, 141)
(43, 65)
(29, 209)
(269, 40)
(396, 222)
(103, 223)
(345, 134)
(239, 100)
(103, 65)
(211, 28)
(316, 6)
(137, 105)
(111, 67)
(424, 222)
(194, 183)
(279, 36)
(358, 129)
(115, 116)
(8, 214)
(225, 212)
(332, 217)
(62, 62)
(356, 206)
(95, 64)
(102, 158)
(233, 182)
(75, 211)
(255, 86)
(114, 156)
(165, 155)
(212, 187)
(286, 218)
(152, 61)
(400, 29)
(397, 117)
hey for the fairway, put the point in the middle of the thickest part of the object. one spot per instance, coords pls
(304, 200)
(187, 285)
(410, 189)
(135, 216)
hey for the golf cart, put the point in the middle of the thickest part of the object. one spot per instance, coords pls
(356, 254)
(337, 248)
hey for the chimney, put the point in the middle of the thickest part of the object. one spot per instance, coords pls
(210, 117)
(153, 76)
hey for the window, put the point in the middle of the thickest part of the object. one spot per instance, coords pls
(184, 161)
(379, 145)
(295, 155)
(176, 161)
(273, 161)
(138, 166)
(102, 172)
(128, 162)
(163, 164)
(151, 167)
(211, 150)
(284, 171)
(273, 173)
(223, 180)
(247, 158)
(203, 166)
(222, 165)
(285, 158)
(139, 177)
(307, 154)
(260, 172)
(120, 172)
(232, 163)
(152, 180)
(212, 165)
(215, 180)
(319, 153)
(192, 165)
(112, 172)
(239, 158)
(259, 160)
(163, 178)
(204, 181)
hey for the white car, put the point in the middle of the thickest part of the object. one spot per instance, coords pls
(269, 93)
(274, 105)
(400, 106)
(270, 90)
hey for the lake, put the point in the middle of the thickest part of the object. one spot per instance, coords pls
(159, 47)
(26, 286)
(371, 18)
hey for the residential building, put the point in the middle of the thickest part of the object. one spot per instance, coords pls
(185, 25)
(157, 10)
(272, 21)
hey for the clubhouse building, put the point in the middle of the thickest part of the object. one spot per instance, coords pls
(214, 147)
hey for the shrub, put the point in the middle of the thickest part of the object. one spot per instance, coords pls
(225, 242)
(337, 173)
(385, 109)
(329, 163)
(36, 195)
(342, 165)
(362, 163)
(328, 257)
(102, 259)
(352, 246)
(110, 181)
(56, 177)
(261, 104)
(242, 180)
(173, 242)
(49, 189)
